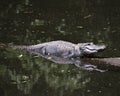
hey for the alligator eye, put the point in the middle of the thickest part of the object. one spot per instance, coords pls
(89, 44)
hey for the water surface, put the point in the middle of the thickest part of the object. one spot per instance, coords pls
(28, 22)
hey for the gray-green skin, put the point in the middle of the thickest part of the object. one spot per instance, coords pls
(63, 49)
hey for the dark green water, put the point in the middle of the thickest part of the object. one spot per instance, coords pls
(25, 22)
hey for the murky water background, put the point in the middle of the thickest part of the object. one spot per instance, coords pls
(26, 22)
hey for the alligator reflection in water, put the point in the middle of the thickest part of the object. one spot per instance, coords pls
(77, 62)
(82, 64)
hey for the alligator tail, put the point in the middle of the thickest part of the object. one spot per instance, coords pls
(31, 49)
(21, 47)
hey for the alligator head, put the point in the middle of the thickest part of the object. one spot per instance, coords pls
(90, 48)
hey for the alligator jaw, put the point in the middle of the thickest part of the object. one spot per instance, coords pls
(90, 49)
(96, 47)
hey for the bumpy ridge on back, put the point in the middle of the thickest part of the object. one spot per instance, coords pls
(21, 47)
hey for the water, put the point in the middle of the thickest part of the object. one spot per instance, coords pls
(29, 22)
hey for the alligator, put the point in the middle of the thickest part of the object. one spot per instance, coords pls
(63, 49)
(65, 52)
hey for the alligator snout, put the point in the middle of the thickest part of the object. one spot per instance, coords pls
(100, 47)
